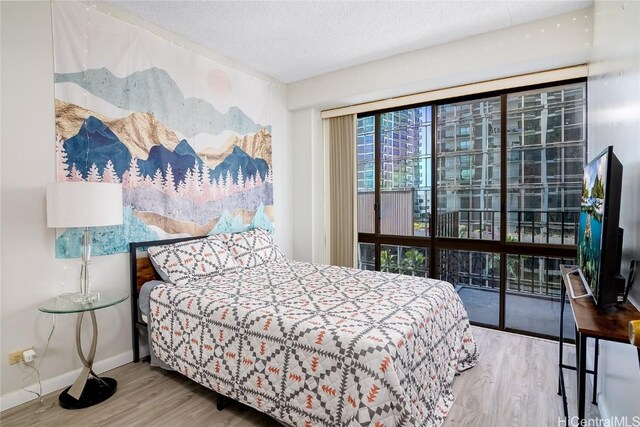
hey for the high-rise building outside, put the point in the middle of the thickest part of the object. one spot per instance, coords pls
(405, 147)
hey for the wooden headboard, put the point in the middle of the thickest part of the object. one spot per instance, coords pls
(145, 272)
(142, 271)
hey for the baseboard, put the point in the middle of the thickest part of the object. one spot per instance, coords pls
(603, 408)
(605, 414)
(19, 397)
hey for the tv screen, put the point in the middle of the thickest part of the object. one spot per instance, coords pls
(598, 234)
(594, 182)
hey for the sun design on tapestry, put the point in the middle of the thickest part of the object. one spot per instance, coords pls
(186, 168)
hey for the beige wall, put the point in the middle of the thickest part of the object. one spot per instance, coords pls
(614, 119)
(30, 273)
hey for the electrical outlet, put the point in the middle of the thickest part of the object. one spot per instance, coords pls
(29, 355)
(16, 356)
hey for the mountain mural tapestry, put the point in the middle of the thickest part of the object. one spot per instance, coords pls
(187, 137)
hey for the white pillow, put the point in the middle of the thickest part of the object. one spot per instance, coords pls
(193, 260)
(252, 248)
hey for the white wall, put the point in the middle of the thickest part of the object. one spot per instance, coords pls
(551, 43)
(30, 273)
(614, 119)
(308, 186)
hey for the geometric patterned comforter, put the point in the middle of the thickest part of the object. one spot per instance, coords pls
(312, 344)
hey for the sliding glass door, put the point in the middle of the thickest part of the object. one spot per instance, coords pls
(482, 192)
(468, 177)
(468, 195)
(546, 151)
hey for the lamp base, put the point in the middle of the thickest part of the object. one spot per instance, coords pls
(80, 298)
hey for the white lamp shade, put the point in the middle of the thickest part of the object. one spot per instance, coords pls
(83, 204)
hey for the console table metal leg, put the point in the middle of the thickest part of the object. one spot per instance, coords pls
(561, 341)
(561, 388)
(581, 357)
(595, 371)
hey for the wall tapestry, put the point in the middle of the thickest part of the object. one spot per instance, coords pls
(187, 137)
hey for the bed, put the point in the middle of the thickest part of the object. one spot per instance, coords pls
(311, 344)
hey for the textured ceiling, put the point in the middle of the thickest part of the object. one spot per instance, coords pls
(295, 40)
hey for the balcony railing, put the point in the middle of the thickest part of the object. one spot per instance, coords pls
(533, 226)
(531, 275)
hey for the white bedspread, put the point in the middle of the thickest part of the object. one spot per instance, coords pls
(313, 344)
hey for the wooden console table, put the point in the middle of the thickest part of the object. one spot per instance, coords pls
(610, 325)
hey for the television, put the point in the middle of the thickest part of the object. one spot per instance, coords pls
(599, 237)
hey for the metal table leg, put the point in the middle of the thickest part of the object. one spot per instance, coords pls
(561, 339)
(88, 389)
(581, 357)
(76, 389)
(561, 389)
(595, 372)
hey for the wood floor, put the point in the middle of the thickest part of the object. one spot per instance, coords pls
(514, 384)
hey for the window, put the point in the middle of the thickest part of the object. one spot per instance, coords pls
(547, 167)
(405, 185)
(501, 213)
(463, 173)
(366, 173)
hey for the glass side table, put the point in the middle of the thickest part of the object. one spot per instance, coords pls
(88, 389)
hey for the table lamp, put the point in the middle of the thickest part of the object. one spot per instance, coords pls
(83, 205)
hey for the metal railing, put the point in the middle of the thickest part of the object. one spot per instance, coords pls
(549, 224)
(525, 274)
(534, 226)
(532, 275)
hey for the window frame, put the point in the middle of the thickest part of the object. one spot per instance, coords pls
(434, 243)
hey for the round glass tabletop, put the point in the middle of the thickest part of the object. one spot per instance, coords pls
(67, 303)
